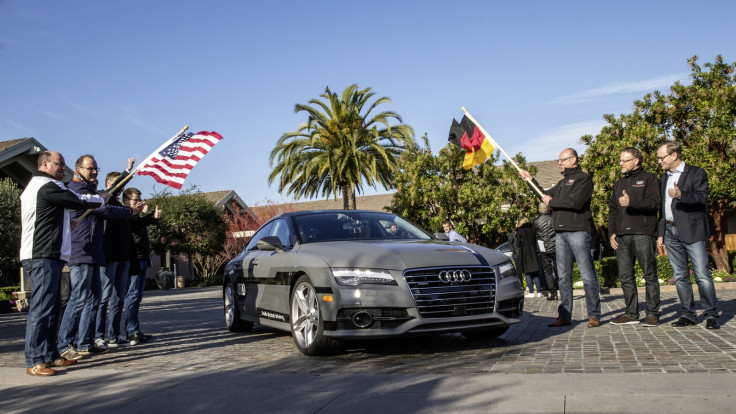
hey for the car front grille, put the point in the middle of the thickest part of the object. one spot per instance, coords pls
(438, 298)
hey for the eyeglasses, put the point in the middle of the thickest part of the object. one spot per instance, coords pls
(662, 158)
(60, 164)
(137, 200)
(565, 159)
(90, 169)
(625, 161)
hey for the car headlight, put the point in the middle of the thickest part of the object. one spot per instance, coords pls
(506, 270)
(347, 276)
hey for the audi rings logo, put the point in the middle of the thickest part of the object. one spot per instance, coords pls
(451, 276)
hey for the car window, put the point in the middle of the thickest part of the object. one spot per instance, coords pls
(261, 233)
(281, 230)
(334, 226)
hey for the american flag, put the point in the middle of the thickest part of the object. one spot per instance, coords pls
(172, 164)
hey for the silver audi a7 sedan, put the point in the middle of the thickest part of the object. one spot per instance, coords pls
(335, 275)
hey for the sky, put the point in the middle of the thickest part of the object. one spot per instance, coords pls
(118, 78)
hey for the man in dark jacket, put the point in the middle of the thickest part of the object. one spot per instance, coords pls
(570, 203)
(632, 228)
(84, 262)
(45, 246)
(139, 226)
(684, 229)
(545, 231)
(117, 244)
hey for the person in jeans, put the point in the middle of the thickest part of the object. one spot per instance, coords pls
(84, 262)
(45, 247)
(545, 232)
(573, 220)
(526, 244)
(139, 226)
(632, 228)
(683, 230)
(118, 247)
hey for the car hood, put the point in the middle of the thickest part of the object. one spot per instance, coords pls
(401, 254)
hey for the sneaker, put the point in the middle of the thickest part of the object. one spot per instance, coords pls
(93, 350)
(624, 320)
(62, 362)
(529, 295)
(100, 343)
(650, 321)
(71, 354)
(116, 342)
(137, 338)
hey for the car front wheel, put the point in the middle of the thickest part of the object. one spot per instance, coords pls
(232, 312)
(307, 326)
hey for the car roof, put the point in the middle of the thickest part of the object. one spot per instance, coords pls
(308, 212)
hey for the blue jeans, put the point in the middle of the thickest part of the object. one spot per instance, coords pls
(678, 251)
(133, 300)
(532, 280)
(81, 278)
(43, 312)
(571, 245)
(88, 319)
(638, 247)
(114, 287)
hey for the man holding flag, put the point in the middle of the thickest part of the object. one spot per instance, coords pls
(573, 223)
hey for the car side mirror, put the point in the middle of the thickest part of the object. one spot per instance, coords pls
(441, 236)
(269, 244)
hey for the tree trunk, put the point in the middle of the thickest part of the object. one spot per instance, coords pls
(351, 200)
(345, 198)
(718, 239)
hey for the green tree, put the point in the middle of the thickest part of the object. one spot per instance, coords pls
(190, 224)
(9, 225)
(484, 202)
(702, 116)
(341, 145)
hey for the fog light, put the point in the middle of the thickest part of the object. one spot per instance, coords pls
(362, 319)
(327, 298)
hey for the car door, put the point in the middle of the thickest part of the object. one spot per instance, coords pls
(271, 275)
(247, 282)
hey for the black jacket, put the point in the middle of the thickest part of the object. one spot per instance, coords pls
(571, 201)
(45, 222)
(526, 244)
(640, 217)
(544, 227)
(689, 211)
(139, 225)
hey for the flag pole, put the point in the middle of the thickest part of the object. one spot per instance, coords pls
(495, 144)
(140, 164)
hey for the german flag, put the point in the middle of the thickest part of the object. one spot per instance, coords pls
(467, 135)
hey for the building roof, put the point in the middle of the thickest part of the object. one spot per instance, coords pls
(19, 160)
(548, 173)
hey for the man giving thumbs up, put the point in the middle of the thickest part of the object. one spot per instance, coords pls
(632, 226)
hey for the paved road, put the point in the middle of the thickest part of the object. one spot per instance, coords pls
(196, 365)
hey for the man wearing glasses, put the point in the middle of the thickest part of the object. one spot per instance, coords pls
(632, 226)
(86, 258)
(573, 223)
(45, 247)
(139, 265)
(684, 229)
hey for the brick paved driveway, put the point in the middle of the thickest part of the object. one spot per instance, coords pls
(190, 335)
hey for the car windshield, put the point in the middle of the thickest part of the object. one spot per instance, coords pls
(332, 226)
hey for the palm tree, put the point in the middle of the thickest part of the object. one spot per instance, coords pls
(340, 147)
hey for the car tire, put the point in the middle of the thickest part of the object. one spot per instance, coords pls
(232, 312)
(486, 333)
(307, 326)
